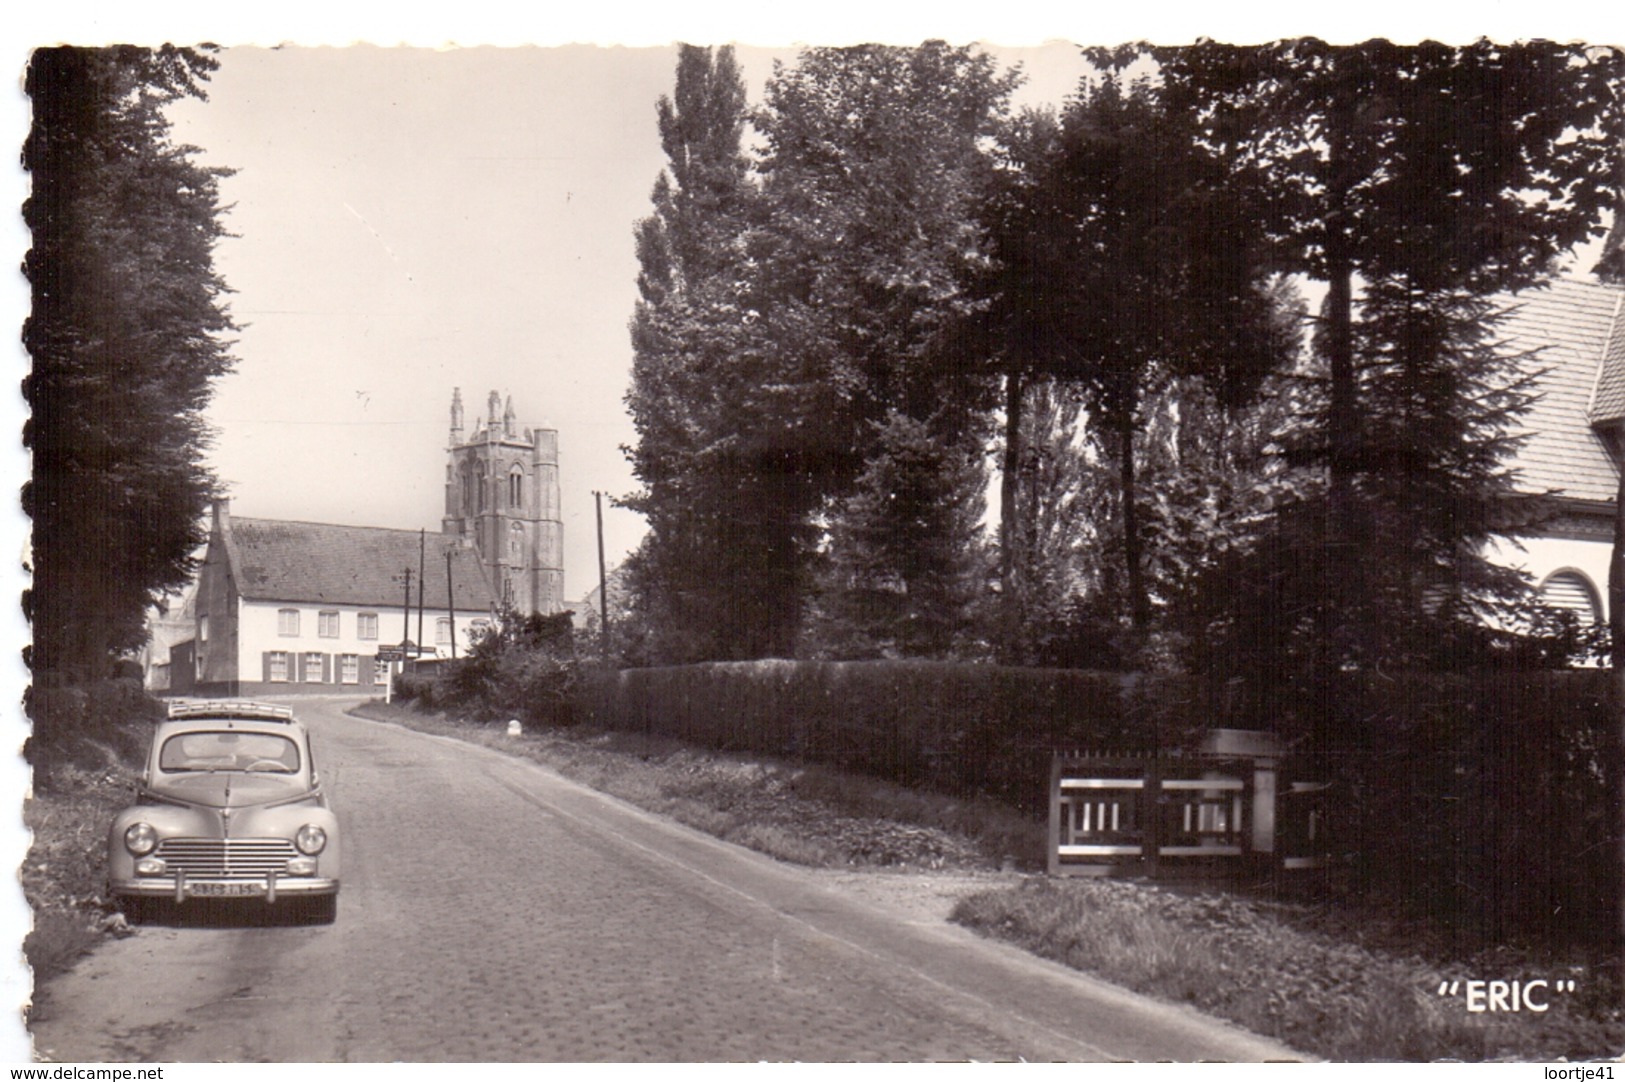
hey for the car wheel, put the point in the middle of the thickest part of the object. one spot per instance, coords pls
(322, 909)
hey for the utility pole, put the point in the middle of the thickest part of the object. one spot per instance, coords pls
(451, 606)
(422, 541)
(603, 577)
(406, 629)
(406, 610)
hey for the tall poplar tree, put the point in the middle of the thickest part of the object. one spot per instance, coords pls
(127, 330)
(723, 570)
(793, 307)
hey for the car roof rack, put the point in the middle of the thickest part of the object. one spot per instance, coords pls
(230, 708)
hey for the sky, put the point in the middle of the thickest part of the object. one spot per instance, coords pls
(413, 222)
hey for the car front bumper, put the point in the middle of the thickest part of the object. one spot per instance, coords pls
(203, 887)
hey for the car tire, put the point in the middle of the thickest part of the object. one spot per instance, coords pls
(321, 909)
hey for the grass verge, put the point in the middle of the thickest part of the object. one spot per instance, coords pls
(1271, 968)
(64, 873)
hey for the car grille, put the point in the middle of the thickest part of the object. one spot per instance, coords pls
(230, 858)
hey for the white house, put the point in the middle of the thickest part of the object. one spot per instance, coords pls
(1572, 333)
(303, 607)
(286, 607)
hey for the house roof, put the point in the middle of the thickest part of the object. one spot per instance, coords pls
(1608, 405)
(1573, 334)
(274, 560)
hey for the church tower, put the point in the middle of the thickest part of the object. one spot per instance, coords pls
(502, 498)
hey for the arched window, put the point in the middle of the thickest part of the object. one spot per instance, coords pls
(516, 542)
(479, 484)
(516, 486)
(1572, 591)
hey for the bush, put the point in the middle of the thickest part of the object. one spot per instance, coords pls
(1488, 801)
(69, 721)
(526, 668)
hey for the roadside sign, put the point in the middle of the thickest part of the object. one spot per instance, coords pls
(391, 653)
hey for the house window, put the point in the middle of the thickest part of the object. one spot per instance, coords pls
(313, 669)
(327, 625)
(1571, 591)
(287, 622)
(277, 672)
(203, 628)
(366, 626)
(516, 487)
(349, 669)
(442, 631)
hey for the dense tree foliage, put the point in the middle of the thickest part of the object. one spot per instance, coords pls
(1130, 256)
(1415, 182)
(876, 167)
(906, 569)
(125, 335)
(827, 321)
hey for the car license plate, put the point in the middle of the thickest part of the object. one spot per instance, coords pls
(224, 890)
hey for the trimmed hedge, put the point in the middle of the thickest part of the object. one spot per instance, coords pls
(965, 730)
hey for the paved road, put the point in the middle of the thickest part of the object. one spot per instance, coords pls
(494, 911)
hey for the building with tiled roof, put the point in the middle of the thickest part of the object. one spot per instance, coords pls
(305, 606)
(285, 607)
(1571, 334)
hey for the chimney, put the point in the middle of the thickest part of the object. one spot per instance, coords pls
(222, 515)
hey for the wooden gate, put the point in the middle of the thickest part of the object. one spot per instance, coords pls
(1212, 812)
(1147, 815)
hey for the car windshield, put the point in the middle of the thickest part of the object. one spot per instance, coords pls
(259, 752)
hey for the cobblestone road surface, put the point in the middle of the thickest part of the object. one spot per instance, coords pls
(492, 911)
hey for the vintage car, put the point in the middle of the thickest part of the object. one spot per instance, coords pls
(230, 806)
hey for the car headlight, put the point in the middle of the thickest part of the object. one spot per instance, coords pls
(311, 839)
(140, 839)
